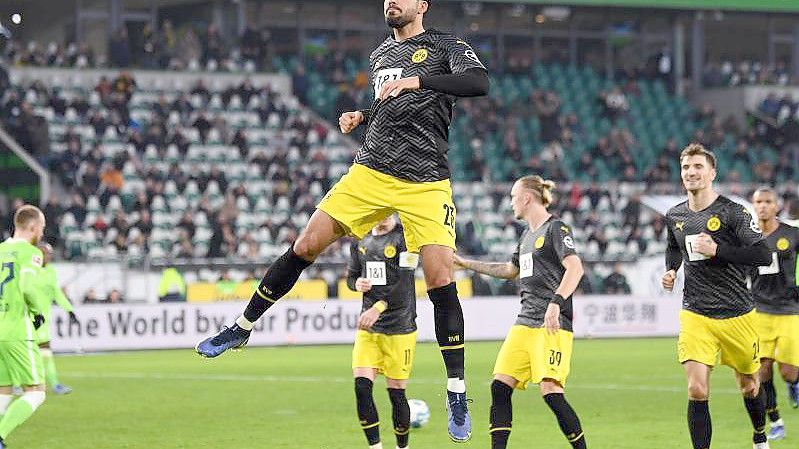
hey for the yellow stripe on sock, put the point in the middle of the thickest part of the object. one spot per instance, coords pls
(576, 438)
(369, 426)
(402, 432)
(265, 297)
(447, 348)
(497, 429)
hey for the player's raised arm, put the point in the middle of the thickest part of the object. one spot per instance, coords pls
(502, 270)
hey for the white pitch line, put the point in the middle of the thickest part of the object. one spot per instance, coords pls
(348, 380)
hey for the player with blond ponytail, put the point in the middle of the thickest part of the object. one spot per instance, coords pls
(538, 347)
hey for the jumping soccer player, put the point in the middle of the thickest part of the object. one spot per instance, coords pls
(538, 347)
(717, 240)
(51, 291)
(20, 361)
(382, 269)
(776, 294)
(402, 167)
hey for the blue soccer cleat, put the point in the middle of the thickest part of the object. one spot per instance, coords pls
(460, 424)
(228, 338)
(777, 430)
(61, 389)
(793, 394)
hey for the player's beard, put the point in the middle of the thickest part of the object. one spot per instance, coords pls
(400, 20)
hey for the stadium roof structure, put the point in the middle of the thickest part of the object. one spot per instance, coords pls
(724, 5)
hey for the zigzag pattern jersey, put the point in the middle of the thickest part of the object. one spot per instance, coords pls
(774, 286)
(713, 288)
(407, 136)
(539, 257)
(385, 260)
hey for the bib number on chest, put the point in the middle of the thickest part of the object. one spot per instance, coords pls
(690, 241)
(376, 272)
(525, 265)
(774, 268)
(385, 75)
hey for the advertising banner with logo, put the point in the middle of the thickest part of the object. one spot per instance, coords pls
(182, 325)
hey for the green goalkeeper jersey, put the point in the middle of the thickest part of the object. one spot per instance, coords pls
(51, 291)
(20, 265)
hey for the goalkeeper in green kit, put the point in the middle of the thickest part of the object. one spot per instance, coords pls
(20, 361)
(51, 291)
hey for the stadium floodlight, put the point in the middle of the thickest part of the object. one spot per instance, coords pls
(556, 13)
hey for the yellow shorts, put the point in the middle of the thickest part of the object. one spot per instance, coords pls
(532, 355)
(391, 355)
(364, 197)
(733, 340)
(779, 337)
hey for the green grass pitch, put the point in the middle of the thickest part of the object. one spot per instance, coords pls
(628, 393)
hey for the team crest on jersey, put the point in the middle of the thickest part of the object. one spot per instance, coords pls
(783, 244)
(419, 56)
(390, 251)
(539, 242)
(713, 224)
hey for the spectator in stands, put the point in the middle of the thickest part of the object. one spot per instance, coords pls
(187, 224)
(145, 223)
(77, 208)
(741, 154)
(637, 237)
(115, 296)
(104, 88)
(299, 83)
(90, 297)
(251, 43)
(124, 86)
(184, 249)
(213, 48)
(90, 181)
(547, 108)
(632, 211)
(615, 103)
(203, 126)
(190, 51)
(119, 48)
(120, 243)
(601, 240)
(616, 282)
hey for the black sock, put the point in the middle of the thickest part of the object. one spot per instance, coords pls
(278, 280)
(501, 417)
(771, 400)
(367, 412)
(567, 419)
(401, 414)
(448, 317)
(699, 423)
(756, 407)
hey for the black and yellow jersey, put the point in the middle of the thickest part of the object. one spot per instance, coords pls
(385, 261)
(407, 136)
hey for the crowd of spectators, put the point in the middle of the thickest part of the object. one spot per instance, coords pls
(745, 72)
(161, 48)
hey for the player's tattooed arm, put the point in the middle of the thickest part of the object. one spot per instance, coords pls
(502, 270)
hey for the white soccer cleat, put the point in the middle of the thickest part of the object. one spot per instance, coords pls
(761, 445)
